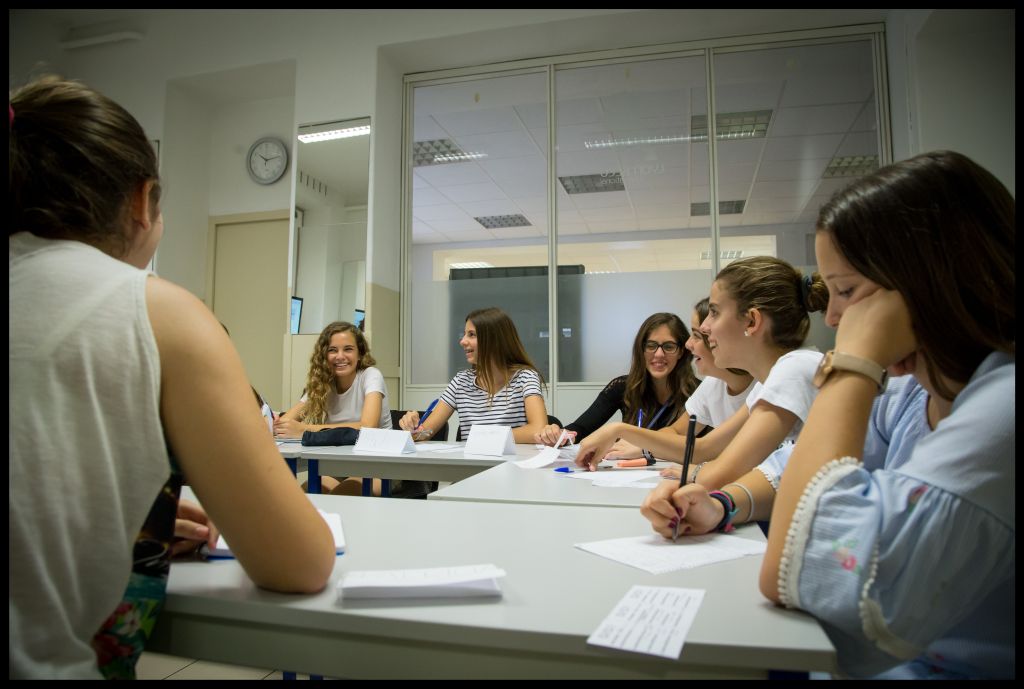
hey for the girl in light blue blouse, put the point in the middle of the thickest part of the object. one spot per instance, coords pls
(894, 520)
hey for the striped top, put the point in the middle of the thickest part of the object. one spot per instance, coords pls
(506, 408)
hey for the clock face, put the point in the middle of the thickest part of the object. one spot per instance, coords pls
(267, 161)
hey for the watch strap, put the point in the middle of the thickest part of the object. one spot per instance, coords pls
(841, 361)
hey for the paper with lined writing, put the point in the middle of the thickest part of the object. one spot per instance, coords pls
(650, 619)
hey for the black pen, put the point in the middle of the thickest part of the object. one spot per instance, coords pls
(691, 430)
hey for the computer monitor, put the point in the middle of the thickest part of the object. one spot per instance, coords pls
(296, 315)
(360, 319)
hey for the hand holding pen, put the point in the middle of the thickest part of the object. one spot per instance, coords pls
(419, 432)
(691, 431)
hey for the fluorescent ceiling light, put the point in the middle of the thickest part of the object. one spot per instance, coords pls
(471, 264)
(591, 184)
(495, 221)
(440, 151)
(727, 254)
(699, 208)
(851, 166)
(331, 130)
(728, 126)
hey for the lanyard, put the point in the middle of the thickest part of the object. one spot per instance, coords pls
(657, 416)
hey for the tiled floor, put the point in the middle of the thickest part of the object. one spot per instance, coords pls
(160, 666)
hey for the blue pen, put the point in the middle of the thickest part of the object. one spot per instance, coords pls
(427, 413)
(564, 470)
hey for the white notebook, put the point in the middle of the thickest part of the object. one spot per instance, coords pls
(434, 582)
(223, 550)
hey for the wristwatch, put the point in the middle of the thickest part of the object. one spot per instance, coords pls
(840, 361)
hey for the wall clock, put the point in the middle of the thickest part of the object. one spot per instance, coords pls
(267, 160)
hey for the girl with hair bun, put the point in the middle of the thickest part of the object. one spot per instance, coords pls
(757, 320)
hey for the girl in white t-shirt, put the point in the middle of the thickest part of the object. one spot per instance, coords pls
(502, 387)
(757, 320)
(343, 390)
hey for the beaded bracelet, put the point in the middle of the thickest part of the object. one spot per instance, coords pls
(696, 469)
(729, 505)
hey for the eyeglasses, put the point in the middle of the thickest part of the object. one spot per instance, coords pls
(669, 347)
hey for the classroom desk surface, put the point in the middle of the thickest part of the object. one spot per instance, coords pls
(422, 465)
(554, 597)
(509, 483)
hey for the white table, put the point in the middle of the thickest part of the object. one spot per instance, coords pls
(422, 465)
(555, 595)
(509, 483)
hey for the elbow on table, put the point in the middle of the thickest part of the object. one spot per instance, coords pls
(769, 580)
(310, 578)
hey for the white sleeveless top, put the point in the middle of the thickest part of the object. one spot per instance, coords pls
(87, 450)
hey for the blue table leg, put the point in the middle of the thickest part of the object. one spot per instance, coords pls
(385, 488)
(293, 466)
(367, 487)
(313, 485)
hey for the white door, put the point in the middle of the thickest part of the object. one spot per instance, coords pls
(250, 296)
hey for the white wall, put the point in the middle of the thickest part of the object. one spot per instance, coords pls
(952, 85)
(349, 64)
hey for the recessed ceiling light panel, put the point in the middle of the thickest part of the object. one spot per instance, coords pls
(495, 221)
(592, 184)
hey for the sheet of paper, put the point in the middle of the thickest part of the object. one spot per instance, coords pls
(544, 458)
(446, 447)
(435, 582)
(650, 619)
(658, 555)
(616, 478)
(333, 519)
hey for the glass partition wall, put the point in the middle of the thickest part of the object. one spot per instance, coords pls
(645, 198)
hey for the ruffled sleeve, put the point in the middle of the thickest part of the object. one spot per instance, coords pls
(865, 556)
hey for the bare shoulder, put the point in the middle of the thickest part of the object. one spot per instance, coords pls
(181, 323)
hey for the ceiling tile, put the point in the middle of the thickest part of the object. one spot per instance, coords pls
(467, 193)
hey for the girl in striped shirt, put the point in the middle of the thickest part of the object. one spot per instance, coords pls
(502, 387)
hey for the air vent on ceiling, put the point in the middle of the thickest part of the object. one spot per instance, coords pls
(590, 184)
(726, 255)
(440, 151)
(494, 221)
(724, 208)
(732, 125)
(851, 166)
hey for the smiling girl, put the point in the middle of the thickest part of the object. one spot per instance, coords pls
(659, 383)
(757, 320)
(717, 397)
(501, 387)
(343, 389)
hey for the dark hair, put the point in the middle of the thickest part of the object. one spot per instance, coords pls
(497, 346)
(703, 308)
(939, 229)
(779, 291)
(320, 380)
(76, 157)
(639, 393)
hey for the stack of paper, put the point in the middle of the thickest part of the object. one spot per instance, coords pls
(436, 582)
(223, 550)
